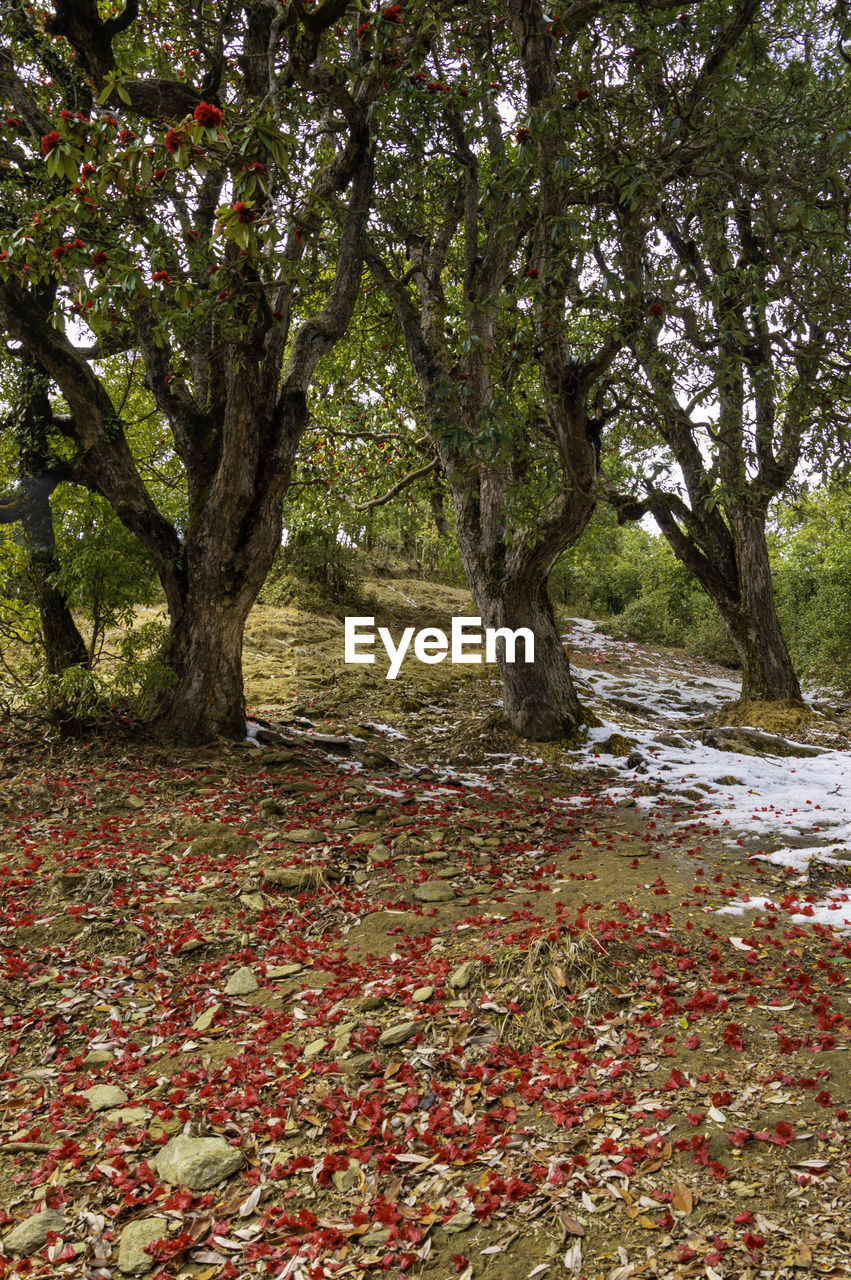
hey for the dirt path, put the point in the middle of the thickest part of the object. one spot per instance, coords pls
(430, 1004)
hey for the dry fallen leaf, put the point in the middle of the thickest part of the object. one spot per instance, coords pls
(682, 1197)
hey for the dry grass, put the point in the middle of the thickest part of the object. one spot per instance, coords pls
(551, 981)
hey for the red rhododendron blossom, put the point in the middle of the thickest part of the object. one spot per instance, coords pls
(49, 141)
(362, 30)
(161, 275)
(174, 137)
(98, 258)
(207, 113)
(244, 215)
(393, 13)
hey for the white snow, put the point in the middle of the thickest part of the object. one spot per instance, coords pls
(387, 730)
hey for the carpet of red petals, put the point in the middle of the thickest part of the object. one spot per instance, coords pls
(678, 1109)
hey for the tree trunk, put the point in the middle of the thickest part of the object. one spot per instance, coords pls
(540, 701)
(203, 695)
(731, 564)
(63, 645)
(752, 622)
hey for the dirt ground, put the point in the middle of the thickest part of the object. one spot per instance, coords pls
(459, 1008)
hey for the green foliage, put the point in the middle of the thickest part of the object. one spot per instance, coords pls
(812, 553)
(632, 578)
(105, 573)
(316, 570)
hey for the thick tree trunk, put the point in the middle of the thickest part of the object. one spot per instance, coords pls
(203, 695)
(752, 622)
(540, 701)
(64, 647)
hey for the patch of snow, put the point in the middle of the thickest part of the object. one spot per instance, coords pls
(834, 911)
(402, 594)
(386, 729)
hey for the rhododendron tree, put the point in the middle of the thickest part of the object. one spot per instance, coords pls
(171, 177)
(507, 179)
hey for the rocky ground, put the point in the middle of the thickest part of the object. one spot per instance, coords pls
(384, 991)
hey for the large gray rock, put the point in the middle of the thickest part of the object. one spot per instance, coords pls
(30, 1235)
(132, 1259)
(198, 1163)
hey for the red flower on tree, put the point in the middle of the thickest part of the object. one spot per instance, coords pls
(207, 113)
(244, 215)
(49, 141)
(393, 13)
(174, 137)
(98, 258)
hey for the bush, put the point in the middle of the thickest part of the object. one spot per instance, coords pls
(313, 569)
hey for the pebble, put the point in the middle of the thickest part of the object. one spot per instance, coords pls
(242, 982)
(399, 1033)
(461, 977)
(460, 1221)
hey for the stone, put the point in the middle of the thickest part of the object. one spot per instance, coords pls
(358, 1064)
(460, 1221)
(298, 878)
(314, 1049)
(399, 1032)
(128, 1116)
(132, 1259)
(434, 891)
(378, 1237)
(617, 745)
(270, 808)
(409, 846)
(282, 970)
(205, 1019)
(422, 994)
(134, 802)
(98, 1058)
(242, 982)
(379, 853)
(345, 1179)
(101, 1097)
(627, 802)
(369, 1003)
(30, 1235)
(197, 1163)
(304, 835)
(461, 977)
(253, 901)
